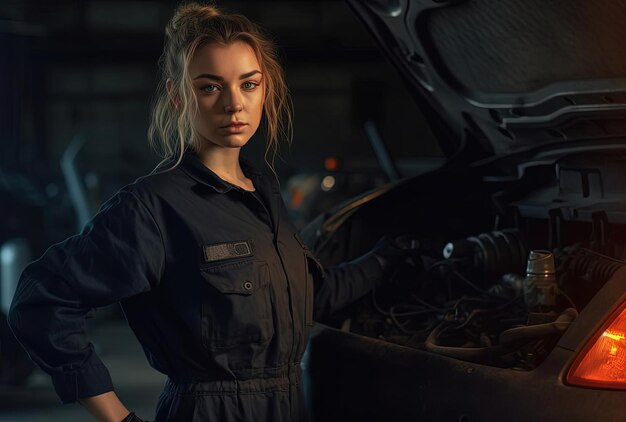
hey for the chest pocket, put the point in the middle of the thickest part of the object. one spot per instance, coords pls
(236, 304)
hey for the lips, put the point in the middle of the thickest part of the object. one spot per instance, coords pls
(237, 123)
(235, 127)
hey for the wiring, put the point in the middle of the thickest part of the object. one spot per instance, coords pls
(447, 309)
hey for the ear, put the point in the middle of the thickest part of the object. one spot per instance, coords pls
(171, 92)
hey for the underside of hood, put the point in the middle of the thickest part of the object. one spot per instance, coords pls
(495, 77)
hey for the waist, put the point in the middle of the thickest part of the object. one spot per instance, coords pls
(259, 380)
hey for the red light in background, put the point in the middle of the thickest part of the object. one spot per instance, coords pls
(331, 163)
(297, 197)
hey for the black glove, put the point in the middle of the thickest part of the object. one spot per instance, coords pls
(393, 252)
(132, 418)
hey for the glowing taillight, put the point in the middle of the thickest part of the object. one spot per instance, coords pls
(602, 363)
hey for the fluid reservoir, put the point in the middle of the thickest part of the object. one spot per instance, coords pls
(540, 287)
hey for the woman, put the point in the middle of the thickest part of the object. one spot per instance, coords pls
(210, 273)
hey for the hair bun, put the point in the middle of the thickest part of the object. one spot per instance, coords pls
(187, 16)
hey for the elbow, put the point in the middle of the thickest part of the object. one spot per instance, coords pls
(26, 328)
(19, 319)
(21, 316)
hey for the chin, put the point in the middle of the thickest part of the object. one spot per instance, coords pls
(234, 142)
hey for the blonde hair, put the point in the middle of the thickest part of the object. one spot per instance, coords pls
(194, 25)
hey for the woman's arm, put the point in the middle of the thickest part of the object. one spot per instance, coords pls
(105, 407)
(339, 286)
(119, 254)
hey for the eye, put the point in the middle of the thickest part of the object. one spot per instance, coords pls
(249, 85)
(209, 88)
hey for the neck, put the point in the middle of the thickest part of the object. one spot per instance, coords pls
(223, 161)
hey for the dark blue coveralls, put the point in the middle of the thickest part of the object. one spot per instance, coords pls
(214, 282)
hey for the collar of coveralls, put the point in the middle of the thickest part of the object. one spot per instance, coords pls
(193, 166)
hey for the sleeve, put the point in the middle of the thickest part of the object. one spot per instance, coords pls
(118, 254)
(339, 286)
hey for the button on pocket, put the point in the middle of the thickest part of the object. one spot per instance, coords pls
(236, 304)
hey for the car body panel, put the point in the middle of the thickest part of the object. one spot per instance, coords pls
(497, 76)
(352, 377)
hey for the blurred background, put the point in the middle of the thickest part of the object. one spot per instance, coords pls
(76, 84)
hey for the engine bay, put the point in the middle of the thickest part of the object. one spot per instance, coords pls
(473, 296)
(468, 308)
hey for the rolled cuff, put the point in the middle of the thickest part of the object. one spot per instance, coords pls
(84, 382)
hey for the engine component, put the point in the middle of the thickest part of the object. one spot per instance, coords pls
(494, 254)
(509, 286)
(517, 335)
(593, 266)
(540, 288)
(509, 340)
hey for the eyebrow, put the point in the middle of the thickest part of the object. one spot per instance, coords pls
(221, 79)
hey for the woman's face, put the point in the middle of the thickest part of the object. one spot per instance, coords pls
(227, 82)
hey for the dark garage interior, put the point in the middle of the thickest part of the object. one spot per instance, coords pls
(77, 80)
(452, 245)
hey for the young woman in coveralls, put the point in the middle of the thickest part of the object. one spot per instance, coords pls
(210, 273)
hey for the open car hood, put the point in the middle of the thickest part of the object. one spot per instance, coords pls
(494, 77)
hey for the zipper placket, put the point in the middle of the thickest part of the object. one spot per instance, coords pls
(291, 304)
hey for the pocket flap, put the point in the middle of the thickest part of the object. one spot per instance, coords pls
(242, 278)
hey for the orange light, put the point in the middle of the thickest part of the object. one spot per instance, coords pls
(297, 198)
(602, 363)
(331, 163)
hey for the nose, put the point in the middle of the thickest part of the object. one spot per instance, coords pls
(233, 103)
(233, 108)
